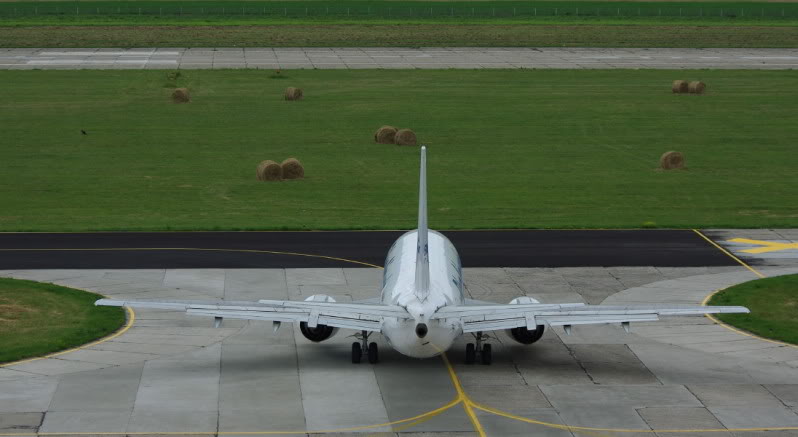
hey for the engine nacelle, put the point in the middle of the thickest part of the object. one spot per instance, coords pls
(522, 334)
(525, 336)
(320, 332)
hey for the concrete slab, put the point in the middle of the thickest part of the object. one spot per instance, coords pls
(20, 422)
(755, 417)
(107, 390)
(245, 378)
(26, 395)
(787, 393)
(736, 395)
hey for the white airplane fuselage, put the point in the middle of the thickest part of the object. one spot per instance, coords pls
(445, 288)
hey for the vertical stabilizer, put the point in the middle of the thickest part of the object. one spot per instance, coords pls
(422, 248)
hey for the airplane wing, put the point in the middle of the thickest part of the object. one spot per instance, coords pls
(358, 316)
(474, 316)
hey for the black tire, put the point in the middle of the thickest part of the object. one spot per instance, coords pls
(357, 352)
(471, 354)
(487, 356)
(374, 355)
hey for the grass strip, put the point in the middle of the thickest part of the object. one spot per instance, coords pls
(773, 303)
(400, 35)
(37, 319)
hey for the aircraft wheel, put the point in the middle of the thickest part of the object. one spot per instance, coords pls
(471, 353)
(373, 353)
(357, 352)
(487, 357)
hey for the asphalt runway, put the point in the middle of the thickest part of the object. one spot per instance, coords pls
(526, 248)
(398, 58)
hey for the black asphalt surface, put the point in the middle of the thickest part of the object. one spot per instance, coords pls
(523, 248)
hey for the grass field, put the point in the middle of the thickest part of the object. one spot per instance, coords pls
(346, 23)
(404, 35)
(773, 303)
(508, 149)
(37, 319)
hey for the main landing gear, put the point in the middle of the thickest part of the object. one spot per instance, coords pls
(363, 345)
(483, 350)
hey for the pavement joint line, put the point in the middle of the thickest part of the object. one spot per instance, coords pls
(741, 262)
(131, 318)
(623, 430)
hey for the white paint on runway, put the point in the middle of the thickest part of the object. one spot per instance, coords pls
(403, 58)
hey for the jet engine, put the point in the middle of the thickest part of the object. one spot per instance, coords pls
(320, 332)
(522, 334)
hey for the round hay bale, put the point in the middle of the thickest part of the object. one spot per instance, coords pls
(679, 86)
(405, 137)
(385, 135)
(671, 160)
(292, 93)
(269, 171)
(292, 169)
(181, 95)
(696, 87)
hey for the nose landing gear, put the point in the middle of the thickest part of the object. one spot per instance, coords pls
(483, 350)
(359, 347)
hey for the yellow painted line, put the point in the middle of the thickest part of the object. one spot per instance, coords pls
(729, 254)
(766, 246)
(131, 318)
(141, 249)
(623, 430)
(468, 405)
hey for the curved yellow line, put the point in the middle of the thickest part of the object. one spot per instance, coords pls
(130, 320)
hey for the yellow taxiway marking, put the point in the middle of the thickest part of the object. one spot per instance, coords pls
(739, 261)
(468, 404)
(765, 246)
(756, 272)
(131, 318)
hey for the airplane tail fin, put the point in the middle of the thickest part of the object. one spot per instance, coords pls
(422, 248)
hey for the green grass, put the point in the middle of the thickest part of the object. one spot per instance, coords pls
(508, 149)
(37, 319)
(773, 303)
(400, 35)
(347, 23)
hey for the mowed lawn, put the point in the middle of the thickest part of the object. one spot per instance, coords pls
(773, 303)
(507, 149)
(38, 318)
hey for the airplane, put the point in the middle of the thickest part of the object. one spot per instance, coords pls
(422, 308)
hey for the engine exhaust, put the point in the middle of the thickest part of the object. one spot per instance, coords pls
(421, 330)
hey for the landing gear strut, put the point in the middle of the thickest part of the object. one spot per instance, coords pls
(483, 350)
(359, 347)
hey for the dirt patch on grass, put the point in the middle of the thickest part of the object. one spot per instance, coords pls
(11, 311)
